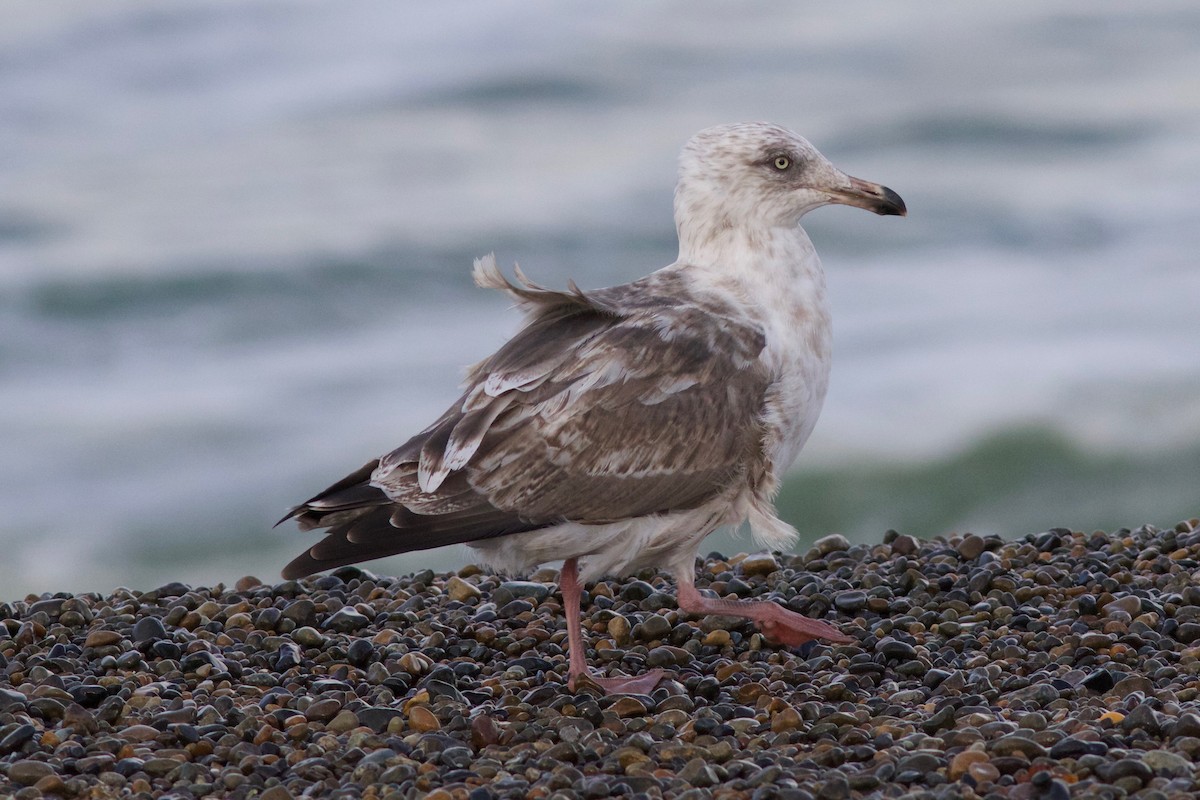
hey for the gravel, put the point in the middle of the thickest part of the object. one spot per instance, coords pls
(1059, 665)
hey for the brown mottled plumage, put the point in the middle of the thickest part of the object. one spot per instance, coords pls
(567, 421)
(621, 426)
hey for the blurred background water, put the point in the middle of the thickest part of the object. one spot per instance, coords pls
(235, 242)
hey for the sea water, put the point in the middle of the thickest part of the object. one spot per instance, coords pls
(235, 243)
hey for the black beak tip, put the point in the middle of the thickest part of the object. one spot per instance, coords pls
(891, 204)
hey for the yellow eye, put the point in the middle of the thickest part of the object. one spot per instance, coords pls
(782, 163)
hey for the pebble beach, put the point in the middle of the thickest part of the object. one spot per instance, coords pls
(1063, 664)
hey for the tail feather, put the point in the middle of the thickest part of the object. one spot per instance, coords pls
(364, 524)
(357, 481)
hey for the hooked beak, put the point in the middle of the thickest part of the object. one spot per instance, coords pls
(871, 196)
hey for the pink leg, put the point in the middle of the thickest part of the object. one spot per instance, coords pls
(779, 624)
(577, 662)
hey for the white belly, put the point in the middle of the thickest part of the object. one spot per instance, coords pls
(667, 541)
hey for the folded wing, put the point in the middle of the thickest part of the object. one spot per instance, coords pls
(636, 400)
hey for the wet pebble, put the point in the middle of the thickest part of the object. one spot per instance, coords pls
(508, 591)
(759, 564)
(851, 602)
(28, 772)
(970, 547)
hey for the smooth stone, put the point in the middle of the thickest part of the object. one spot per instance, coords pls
(1131, 684)
(322, 710)
(343, 721)
(515, 608)
(1033, 721)
(635, 591)
(1099, 681)
(308, 637)
(16, 738)
(346, 620)
(667, 656)
(698, 773)
(303, 612)
(455, 757)
(920, 762)
(717, 638)
(461, 590)
(1187, 633)
(508, 591)
(949, 628)
(102, 638)
(1165, 761)
(52, 785)
(531, 665)
(831, 544)
(943, 718)
(629, 706)
(1055, 790)
(963, 761)
(439, 688)
(1072, 747)
(51, 607)
(484, 731)
(246, 583)
(970, 547)
(1129, 604)
(76, 716)
(983, 772)
(1125, 768)
(851, 601)
(1144, 717)
(289, 656)
(238, 621)
(172, 589)
(618, 628)
(895, 650)
(28, 772)
(11, 699)
(160, 767)
(148, 629)
(1187, 724)
(655, 626)
(164, 649)
(1015, 743)
(422, 719)
(377, 718)
(759, 564)
(1096, 640)
(360, 652)
(140, 733)
(787, 719)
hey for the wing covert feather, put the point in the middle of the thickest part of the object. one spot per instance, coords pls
(644, 401)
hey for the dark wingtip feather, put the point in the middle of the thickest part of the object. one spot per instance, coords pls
(292, 512)
(364, 523)
(300, 567)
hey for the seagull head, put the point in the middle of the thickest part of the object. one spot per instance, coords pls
(756, 175)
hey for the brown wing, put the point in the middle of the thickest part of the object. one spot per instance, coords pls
(626, 402)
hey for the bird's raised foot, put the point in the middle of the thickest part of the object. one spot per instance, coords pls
(776, 622)
(625, 684)
(789, 628)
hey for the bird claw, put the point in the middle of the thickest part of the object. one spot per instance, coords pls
(624, 684)
(792, 629)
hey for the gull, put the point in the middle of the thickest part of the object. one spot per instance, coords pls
(621, 426)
